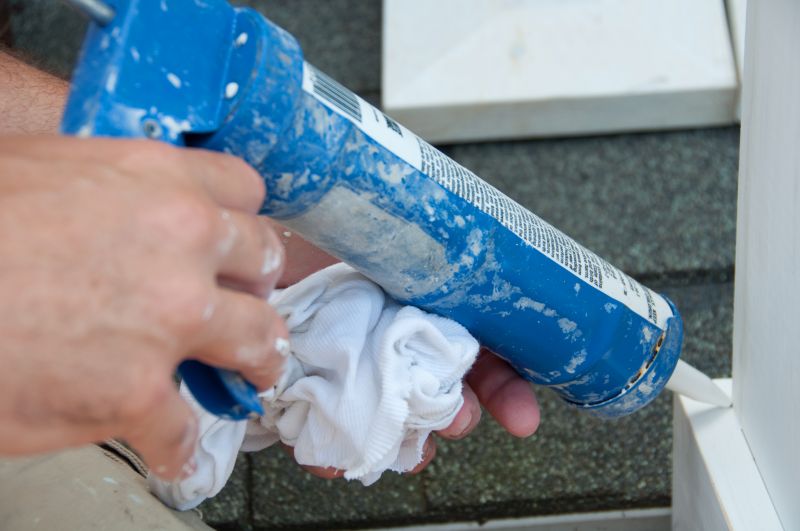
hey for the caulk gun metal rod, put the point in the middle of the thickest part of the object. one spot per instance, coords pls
(692, 383)
(98, 10)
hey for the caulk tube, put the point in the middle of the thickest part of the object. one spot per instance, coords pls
(434, 235)
(367, 190)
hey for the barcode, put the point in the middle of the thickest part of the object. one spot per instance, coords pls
(336, 94)
(391, 124)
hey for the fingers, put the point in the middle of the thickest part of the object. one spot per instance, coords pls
(251, 256)
(302, 258)
(467, 417)
(230, 181)
(505, 395)
(245, 334)
(320, 472)
(428, 453)
(167, 436)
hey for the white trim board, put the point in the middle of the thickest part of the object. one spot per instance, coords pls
(633, 520)
(459, 70)
(737, 11)
(766, 365)
(715, 482)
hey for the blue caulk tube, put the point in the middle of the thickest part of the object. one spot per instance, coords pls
(367, 190)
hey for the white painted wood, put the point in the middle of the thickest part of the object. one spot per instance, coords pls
(766, 346)
(737, 11)
(457, 70)
(634, 520)
(737, 15)
(716, 484)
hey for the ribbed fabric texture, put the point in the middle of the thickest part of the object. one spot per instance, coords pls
(366, 383)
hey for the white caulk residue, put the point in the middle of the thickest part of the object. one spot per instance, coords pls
(393, 173)
(241, 40)
(283, 185)
(474, 241)
(566, 325)
(174, 80)
(272, 261)
(250, 355)
(136, 499)
(164, 5)
(576, 360)
(135, 54)
(89, 489)
(231, 90)
(609, 307)
(459, 221)
(282, 346)
(111, 80)
(647, 333)
(533, 374)
(85, 131)
(525, 302)
(646, 387)
(105, 42)
(173, 126)
(287, 234)
(577, 288)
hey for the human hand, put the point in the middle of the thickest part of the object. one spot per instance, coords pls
(121, 258)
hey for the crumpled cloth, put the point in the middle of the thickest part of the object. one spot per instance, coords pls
(366, 382)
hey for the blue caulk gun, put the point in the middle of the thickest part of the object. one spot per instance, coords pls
(367, 190)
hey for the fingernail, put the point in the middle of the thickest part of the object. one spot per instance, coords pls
(427, 450)
(253, 356)
(273, 258)
(462, 424)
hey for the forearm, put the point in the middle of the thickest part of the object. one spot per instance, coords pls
(31, 101)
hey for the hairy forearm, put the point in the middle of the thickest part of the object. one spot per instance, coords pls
(31, 102)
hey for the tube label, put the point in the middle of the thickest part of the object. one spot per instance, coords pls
(462, 182)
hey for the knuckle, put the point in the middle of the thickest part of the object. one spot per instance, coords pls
(183, 306)
(148, 386)
(238, 168)
(186, 219)
(143, 154)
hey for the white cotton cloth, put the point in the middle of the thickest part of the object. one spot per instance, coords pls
(366, 382)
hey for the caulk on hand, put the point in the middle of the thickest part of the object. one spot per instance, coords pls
(366, 189)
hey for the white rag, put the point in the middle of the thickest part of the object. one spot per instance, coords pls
(366, 382)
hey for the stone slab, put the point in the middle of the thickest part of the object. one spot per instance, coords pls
(510, 69)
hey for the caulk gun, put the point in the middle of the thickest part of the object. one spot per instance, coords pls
(367, 190)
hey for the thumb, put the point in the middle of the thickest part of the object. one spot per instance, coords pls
(166, 438)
